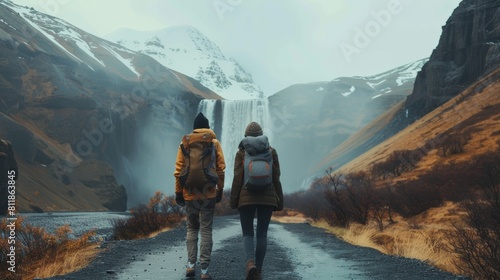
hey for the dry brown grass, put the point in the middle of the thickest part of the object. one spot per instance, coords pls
(337, 231)
(422, 237)
(153, 234)
(64, 262)
(288, 216)
(43, 254)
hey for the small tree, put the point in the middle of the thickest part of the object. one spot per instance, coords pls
(360, 189)
(339, 212)
(454, 144)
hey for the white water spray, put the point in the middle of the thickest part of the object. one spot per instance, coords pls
(236, 115)
(207, 107)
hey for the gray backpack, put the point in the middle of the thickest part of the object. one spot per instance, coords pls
(258, 164)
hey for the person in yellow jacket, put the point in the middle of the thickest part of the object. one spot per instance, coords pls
(199, 191)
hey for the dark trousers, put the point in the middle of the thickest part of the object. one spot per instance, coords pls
(247, 214)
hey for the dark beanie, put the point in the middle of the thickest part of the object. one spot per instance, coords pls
(253, 129)
(200, 122)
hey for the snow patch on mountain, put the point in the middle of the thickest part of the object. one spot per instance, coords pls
(6, 23)
(27, 14)
(69, 34)
(374, 85)
(410, 73)
(385, 83)
(187, 50)
(73, 41)
(405, 73)
(127, 62)
(351, 90)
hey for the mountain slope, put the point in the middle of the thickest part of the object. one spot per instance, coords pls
(468, 49)
(477, 110)
(76, 109)
(187, 50)
(322, 115)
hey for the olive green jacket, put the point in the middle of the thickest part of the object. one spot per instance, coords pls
(241, 197)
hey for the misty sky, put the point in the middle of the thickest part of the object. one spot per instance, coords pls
(281, 42)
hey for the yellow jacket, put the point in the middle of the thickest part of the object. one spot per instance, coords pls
(220, 167)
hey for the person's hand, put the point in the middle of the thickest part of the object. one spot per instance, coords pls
(280, 205)
(233, 204)
(179, 199)
(218, 196)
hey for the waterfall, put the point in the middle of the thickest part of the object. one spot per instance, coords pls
(236, 115)
(207, 107)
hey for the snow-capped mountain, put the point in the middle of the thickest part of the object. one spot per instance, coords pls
(378, 85)
(187, 50)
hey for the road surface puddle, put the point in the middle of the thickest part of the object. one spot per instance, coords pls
(310, 259)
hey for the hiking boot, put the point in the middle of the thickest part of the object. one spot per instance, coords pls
(258, 274)
(250, 270)
(190, 272)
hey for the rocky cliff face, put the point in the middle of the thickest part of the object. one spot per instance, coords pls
(468, 49)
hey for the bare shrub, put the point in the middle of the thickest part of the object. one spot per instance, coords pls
(398, 162)
(413, 198)
(340, 212)
(454, 181)
(477, 241)
(161, 212)
(35, 246)
(311, 203)
(382, 209)
(453, 144)
(360, 189)
(350, 199)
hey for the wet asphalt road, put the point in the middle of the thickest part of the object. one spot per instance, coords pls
(295, 251)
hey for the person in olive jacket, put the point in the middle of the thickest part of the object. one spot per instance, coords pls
(248, 203)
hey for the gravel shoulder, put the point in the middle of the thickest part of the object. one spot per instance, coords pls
(295, 251)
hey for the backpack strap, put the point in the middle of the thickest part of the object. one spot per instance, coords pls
(196, 137)
(185, 145)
